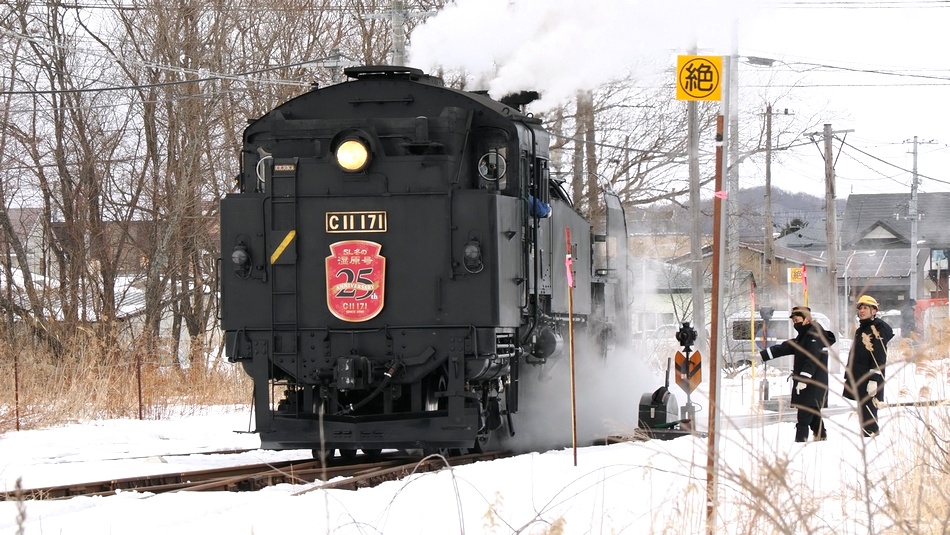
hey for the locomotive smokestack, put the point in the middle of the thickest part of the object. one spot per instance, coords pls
(520, 100)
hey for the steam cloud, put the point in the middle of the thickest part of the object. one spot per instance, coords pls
(559, 47)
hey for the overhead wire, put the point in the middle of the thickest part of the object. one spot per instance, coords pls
(242, 77)
(864, 4)
(202, 74)
(869, 155)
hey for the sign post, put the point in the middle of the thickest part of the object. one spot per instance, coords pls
(569, 277)
(699, 78)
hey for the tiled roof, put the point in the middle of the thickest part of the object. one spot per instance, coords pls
(881, 267)
(812, 236)
(889, 211)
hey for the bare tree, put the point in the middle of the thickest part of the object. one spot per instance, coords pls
(221, 62)
(124, 129)
(71, 142)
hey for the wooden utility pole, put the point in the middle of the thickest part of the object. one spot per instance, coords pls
(712, 443)
(831, 227)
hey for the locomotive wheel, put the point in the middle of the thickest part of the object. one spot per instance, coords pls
(445, 452)
(432, 401)
(347, 454)
(481, 442)
(372, 452)
(479, 446)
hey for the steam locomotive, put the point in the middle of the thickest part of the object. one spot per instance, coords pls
(400, 260)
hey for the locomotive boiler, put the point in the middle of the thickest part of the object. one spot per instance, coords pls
(396, 258)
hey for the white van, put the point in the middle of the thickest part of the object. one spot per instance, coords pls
(739, 348)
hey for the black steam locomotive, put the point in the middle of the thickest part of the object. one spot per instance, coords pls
(398, 258)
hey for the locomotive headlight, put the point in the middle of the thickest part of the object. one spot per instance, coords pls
(352, 155)
(472, 257)
(241, 261)
(239, 256)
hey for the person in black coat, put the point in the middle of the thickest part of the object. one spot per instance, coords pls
(809, 371)
(864, 375)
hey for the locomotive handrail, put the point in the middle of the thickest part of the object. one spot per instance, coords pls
(404, 100)
(361, 71)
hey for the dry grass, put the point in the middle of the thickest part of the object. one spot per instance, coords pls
(96, 382)
(896, 483)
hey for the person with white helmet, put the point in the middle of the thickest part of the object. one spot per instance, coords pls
(864, 375)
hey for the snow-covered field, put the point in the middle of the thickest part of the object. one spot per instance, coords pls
(768, 483)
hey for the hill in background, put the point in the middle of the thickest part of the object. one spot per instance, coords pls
(787, 207)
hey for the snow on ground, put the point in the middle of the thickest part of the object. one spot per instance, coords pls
(635, 487)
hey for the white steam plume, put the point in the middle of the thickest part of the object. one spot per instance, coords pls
(558, 47)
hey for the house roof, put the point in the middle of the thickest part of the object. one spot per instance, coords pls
(880, 221)
(806, 257)
(882, 267)
(787, 254)
(812, 236)
(23, 220)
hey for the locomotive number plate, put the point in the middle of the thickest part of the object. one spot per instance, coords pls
(339, 222)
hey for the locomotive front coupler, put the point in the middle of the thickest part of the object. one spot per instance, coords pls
(391, 368)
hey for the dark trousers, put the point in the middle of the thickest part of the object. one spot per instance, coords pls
(809, 418)
(869, 417)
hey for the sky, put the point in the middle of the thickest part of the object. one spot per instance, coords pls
(633, 487)
(875, 70)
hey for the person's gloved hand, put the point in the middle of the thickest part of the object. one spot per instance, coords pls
(799, 386)
(872, 388)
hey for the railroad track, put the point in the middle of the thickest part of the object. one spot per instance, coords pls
(258, 476)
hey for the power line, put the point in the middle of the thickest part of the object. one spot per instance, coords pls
(865, 4)
(204, 75)
(869, 155)
(811, 67)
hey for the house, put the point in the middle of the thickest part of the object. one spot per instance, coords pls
(877, 238)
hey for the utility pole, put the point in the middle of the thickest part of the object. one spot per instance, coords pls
(771, 275)
(732, 113)
(399, 33)
(769, 235)
(696, 219)
(831, 226)
(912, 213)
(335, 63)
(831, 231)
(397, 16)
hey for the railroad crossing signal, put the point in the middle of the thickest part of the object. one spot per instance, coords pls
(698, 77)
(689, 371)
